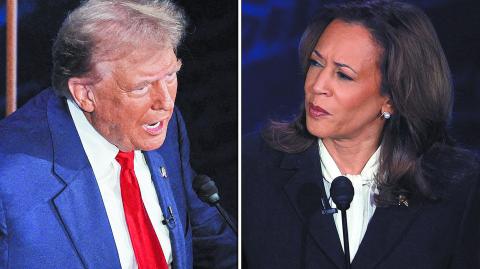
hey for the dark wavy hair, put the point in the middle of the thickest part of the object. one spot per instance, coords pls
(416, 78)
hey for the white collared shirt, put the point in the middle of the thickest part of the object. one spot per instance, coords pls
(362, 207)
(101, 155)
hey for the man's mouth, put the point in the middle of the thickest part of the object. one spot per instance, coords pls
(154, 128)
(153, 125)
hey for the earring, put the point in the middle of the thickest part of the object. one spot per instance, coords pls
(386, 115)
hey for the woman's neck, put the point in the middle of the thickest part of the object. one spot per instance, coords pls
(351, 155)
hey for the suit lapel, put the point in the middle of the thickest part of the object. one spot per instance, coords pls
(384, 232)
(79, 205)
(304, 190)
(166, 199)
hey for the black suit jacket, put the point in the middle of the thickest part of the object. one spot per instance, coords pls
(283, 226)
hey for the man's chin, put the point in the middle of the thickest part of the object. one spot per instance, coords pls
(151, 145)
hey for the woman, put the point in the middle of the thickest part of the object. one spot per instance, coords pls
(378, 99)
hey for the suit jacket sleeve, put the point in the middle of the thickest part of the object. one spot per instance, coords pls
(214, 244)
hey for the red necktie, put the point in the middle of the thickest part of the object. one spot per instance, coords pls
(148, 251)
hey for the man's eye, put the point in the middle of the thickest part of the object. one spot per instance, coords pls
(140, 89)
(171, 77)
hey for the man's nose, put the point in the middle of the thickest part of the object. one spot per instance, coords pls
(162, 99)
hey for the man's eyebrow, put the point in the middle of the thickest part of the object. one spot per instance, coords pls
(173, 67)
(178, 65)
(336, 63)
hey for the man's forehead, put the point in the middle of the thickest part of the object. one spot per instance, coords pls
(148, 61)
(163, 56)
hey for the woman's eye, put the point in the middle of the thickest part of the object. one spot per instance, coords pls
(343, 76)
(315, 63)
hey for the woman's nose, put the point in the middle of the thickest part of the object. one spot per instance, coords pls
(321, 82)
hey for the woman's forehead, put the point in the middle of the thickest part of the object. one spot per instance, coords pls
(348, 43)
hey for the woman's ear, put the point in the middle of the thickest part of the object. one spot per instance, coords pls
(81, 91)
(387, 106)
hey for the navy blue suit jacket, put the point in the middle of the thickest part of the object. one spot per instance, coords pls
(283, 226)
(51, 210)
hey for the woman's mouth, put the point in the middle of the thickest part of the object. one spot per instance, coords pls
(317, 111)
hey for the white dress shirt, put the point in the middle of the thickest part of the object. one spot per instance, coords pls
(362, 207)
(101, 155)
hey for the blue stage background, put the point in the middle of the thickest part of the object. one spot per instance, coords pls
(272, 86)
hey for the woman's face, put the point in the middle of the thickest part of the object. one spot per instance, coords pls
(342, 87)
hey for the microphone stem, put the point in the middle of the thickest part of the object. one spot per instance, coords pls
(346, 245)
(227, 218)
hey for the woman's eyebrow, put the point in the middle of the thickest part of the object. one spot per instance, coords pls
(336, 63)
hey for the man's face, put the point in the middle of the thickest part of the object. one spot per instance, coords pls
(134, 100)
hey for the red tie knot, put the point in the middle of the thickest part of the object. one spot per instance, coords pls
(125, 159)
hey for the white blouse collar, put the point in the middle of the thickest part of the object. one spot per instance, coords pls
(330, 169)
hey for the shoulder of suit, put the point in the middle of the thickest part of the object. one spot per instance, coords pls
(26, 132)
(450, 169)
(32, 111)
(257, 153)
(253, 144)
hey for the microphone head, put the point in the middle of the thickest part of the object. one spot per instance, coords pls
(342, 192)
(206, 189)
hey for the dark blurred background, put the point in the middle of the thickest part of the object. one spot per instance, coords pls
(272, 86)
(207, 93)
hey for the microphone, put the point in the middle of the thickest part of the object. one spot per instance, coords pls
(341, 192)
(207, 191)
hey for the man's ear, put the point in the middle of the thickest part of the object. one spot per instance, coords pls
(81, 91)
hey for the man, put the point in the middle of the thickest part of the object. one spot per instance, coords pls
(95, 172)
